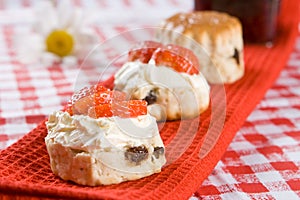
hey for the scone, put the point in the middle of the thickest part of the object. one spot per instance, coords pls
(167, 77)
(102, 139)
(220, 36)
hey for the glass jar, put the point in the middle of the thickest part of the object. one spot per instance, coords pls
(258, 17)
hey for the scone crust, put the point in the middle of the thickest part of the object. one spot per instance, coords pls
(219, 34)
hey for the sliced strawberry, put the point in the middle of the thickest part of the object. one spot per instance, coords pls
(102, 102)
(69, 108)
(177, 57)
(143, 51)
(101, 110)
(132, 108)
(103, 95)
(117, 96)
(82, 105)
(192, 60)
(100, 88)
(80, 101)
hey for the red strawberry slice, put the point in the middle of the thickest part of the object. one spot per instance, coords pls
(98, 101)
(172, 59)
(101, 110)
(190, 63)
(143, 51)
(69, 108)
(124, 109)
(82, 100)
(132, 108)
(108, 97)
(177, 57)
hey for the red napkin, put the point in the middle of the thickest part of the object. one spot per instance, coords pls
(25, 169)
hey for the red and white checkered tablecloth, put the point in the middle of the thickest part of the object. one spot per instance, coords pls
(263, 160)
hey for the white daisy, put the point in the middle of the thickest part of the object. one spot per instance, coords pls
(61, 32)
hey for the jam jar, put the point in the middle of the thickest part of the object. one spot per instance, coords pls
(258, 17)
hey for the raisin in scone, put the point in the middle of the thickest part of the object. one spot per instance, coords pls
(220, 36)
(167, 77)
(103, 139)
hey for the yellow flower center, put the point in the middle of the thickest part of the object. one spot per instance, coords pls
(60, 43)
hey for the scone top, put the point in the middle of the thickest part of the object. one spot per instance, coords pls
(198, 22)
(97, 101)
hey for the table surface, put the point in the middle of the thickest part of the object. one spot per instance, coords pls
(263, 160)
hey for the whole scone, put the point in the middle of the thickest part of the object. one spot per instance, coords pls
(167, 76)
(220, 38)
(170, 95)
(101, 138)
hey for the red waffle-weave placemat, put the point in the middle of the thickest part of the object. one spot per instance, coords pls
(25, 169)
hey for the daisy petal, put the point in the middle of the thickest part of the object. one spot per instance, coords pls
(47, 18)
(64, 12)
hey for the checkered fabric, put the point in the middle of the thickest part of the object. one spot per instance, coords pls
(263, 160)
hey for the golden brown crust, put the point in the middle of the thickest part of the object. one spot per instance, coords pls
(199, 22)
(220, 36)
